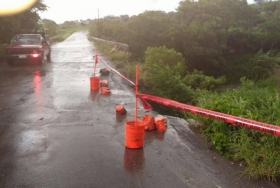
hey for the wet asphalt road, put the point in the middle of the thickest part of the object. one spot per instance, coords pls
(55, 132)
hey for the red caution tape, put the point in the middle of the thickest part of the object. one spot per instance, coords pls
(145, 104)
(247, 123)
(96, 59)
(117, 72)
(251, 124)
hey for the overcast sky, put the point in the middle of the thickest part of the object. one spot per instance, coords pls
(68, 10)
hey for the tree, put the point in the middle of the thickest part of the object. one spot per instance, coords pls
(163, 71)
(260, 1)
(204, 27)
(28, 19)
(269, 25)
(8, 27)
(50, 25)
(150, 28)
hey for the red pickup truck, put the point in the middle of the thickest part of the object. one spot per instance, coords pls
(28, 47)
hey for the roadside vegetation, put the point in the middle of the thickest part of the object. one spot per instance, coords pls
(257, 151)
(215, 57)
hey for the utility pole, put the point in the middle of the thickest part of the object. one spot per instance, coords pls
(98, 24)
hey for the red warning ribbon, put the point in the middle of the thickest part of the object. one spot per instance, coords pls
(247, 123)
(117, 72)
(145, 104)
(239, 121)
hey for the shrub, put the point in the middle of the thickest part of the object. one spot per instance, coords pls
(163, 70)
(263, 65)
(197, 80)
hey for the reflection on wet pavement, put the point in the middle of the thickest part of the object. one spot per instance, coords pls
(134, 159)
(75, 48)
(94, 95)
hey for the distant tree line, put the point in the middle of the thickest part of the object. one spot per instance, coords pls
(218, 37)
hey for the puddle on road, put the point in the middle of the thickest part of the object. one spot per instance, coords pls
(31, 142)
(76, 48)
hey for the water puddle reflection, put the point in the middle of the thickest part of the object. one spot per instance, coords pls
(94, 95)
(134, 159)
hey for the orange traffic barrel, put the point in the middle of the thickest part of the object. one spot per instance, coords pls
(94, 83)
(134, 134)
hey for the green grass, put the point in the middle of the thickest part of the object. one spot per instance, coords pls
(258, 151)
(121, 58)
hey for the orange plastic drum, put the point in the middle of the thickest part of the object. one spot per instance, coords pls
(134, 134)
(94, 83)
